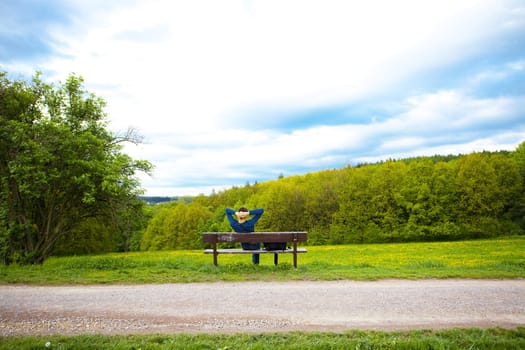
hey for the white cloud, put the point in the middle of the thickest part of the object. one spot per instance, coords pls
(204, 59)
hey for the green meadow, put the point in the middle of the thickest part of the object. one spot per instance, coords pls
(494, 258)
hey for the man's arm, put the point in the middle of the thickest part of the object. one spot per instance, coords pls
(229, 214)
(257, 213)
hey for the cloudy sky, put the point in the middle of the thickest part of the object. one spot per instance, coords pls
(229, 92)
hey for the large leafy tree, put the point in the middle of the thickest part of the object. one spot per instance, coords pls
(59, 166)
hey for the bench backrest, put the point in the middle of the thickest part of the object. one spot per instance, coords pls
(253, 237)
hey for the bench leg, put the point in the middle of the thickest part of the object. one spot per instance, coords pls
(275, 259)
(295, 254)
(215, 254)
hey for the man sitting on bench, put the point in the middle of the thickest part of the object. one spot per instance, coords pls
(242, 225)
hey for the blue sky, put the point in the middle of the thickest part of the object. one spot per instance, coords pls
(229, 92)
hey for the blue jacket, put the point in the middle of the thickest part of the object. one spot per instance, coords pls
(248, 225)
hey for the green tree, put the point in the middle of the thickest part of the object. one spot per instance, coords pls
(444, 199)
(479, 200)
(156, 236)
(518, 209)
(519, 156)
(177, 226)
(417, 200)
(89, 236)
(59, 166)
(509, 192)
(284, 205)
(386, 200)
(321, 203)
(353, 222)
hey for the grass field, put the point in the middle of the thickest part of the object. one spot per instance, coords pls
(495, 258)
(451, 339)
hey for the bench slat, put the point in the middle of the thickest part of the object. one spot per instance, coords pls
(242, 251)
(253, 237)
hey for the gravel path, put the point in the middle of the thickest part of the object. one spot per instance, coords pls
(261, 306)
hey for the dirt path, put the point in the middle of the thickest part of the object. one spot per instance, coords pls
(261, 306)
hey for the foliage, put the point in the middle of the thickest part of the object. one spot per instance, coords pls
(494, 258)
(437, 198)
(176, 226)
(61, 170)
(457, 338)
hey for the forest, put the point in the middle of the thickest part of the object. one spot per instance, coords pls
(439, 198)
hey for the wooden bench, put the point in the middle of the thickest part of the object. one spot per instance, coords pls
(255, 237)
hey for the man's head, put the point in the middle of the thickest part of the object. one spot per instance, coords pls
(242, 213)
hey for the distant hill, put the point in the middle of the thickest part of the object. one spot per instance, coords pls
(153, 200)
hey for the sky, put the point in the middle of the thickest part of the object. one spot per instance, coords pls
(232, 92)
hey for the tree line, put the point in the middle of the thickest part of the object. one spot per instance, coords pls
(437, 198)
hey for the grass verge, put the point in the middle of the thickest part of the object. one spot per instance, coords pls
(495, 338)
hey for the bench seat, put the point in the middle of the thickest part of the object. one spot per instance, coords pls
(293, 237)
